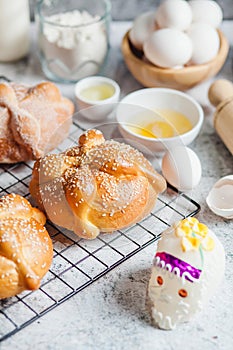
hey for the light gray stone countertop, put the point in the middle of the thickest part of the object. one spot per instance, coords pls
(110, 314)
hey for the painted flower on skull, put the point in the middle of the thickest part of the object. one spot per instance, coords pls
(194, 235)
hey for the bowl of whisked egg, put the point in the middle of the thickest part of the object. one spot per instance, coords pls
(155, 120)
(177, 46)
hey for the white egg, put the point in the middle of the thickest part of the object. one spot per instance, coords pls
(205, 41)
(206, 11)
(143, 26)
(174, 13)
(168, 47)
(181, 168)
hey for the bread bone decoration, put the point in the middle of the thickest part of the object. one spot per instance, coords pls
(25, 246)
(188, 267)
(97, 186)
(33, 120)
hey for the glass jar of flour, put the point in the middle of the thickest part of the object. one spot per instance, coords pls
(72, 37)
(14, 29)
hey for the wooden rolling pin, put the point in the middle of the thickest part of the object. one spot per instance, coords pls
(221, 96)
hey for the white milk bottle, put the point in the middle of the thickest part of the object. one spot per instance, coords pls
(14, 29)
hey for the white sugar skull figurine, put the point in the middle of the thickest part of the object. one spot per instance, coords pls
(188, 267)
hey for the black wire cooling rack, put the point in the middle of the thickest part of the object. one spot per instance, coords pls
(77, 263)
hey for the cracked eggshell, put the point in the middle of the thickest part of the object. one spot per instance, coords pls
(220, 197)
(143, 26)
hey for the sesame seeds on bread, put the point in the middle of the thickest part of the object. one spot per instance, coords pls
(98, 186)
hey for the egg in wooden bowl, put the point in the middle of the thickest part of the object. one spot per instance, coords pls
(180, 78)
(178, 45)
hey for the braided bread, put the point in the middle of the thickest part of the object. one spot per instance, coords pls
(30, 119)
(25, 246)
(97, 186)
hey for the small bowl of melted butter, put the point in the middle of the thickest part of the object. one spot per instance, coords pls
(158, 119)
(97, 97)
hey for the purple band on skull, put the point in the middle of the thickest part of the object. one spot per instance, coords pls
(175, 265)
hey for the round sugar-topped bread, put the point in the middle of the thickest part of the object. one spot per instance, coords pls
(98, 186)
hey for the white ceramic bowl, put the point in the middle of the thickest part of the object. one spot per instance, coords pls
(143, 103)
(96, 110)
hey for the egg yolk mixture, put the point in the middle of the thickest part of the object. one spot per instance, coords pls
(171, 123)
(98, 92)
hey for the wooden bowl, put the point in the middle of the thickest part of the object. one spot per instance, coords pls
(150, 75)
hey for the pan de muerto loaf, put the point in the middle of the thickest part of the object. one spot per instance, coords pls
(98, 186)
(25, 246)
(33, 120)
